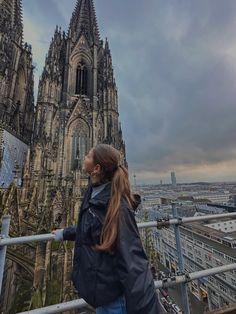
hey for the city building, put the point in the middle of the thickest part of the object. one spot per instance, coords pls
(203, 247)
(173, 179)
(214, 197)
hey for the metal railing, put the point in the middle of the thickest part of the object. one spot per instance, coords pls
(182, 279)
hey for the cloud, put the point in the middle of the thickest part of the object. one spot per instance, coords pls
(175, 67)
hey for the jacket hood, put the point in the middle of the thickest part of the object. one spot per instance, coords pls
(137, 200)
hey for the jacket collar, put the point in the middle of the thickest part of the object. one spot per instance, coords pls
(102, 198)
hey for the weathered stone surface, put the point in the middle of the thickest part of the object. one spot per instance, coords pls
(77, 107)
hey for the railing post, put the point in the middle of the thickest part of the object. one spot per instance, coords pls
(209, 298)
(3, 249)
(183, 287)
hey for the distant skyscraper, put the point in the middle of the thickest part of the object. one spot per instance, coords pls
(173, 179)
(160, 182)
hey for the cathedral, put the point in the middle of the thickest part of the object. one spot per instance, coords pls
(16, 73)
(42, 146)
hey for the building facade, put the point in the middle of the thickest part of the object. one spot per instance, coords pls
(202, 251)
(77, 104)
(16, 91)
(77, 108)
(16, 73)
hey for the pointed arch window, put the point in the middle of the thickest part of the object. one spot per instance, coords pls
(81, 79)
(79, 149)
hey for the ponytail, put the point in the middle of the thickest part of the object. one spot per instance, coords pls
(120, 187)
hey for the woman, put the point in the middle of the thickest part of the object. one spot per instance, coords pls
(110, 268)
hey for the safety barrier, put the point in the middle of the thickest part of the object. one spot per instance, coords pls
(183, 278)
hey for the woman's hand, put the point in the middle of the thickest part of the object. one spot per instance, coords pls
(58, 234)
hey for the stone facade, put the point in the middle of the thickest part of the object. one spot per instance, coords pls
(77, 104)
(16, 73)
(77, 107)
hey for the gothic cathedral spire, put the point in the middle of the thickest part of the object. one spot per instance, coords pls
(84, 21)
(16, 72)
(77, 105)
(18, 24)
(11, 14)
(77, 108)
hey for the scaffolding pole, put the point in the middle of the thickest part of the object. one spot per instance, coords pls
(168, 282)
(184, 278)
(21, 240)
(183, 286)
(166, 222)
(159, 224)
(59, 308)
(4, 233)
(187, 277)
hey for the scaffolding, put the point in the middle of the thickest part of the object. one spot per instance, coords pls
(182, 279)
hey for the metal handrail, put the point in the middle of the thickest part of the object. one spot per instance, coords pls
(159, 223)
(167, 282)
(155, 223)
(184, 278)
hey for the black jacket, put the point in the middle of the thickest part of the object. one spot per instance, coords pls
(100, 277)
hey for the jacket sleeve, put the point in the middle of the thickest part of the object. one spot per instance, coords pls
(132, 268)
(69, 233)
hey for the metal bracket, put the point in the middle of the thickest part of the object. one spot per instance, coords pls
(164, 279)
(165, 222)
(173, 278)
(180, 221)
(187, 277)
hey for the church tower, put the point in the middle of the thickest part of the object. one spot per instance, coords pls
(77, 104)
(16, 73)
(77, 108)
(16, 92)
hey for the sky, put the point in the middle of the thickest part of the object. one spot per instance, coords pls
(175, 67)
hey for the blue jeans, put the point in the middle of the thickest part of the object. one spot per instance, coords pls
(115, 307)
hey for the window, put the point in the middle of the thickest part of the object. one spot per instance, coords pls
(199, 242)
(218, 263)
(211, 279)
(189, 247)
(79, 148)
(222, 288)
(197, 252)
(233, 281)
(198, 260)
(81, 79)
(190, 255)
(222, 275)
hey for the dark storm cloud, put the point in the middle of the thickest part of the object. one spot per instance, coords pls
(175, 67)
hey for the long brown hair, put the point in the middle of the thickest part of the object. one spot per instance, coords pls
(112, 170)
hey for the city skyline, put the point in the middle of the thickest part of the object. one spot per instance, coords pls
(175, 74)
